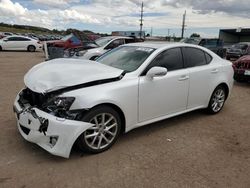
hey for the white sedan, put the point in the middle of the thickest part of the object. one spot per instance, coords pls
(69, 101)
(104, 44)
(20, 43)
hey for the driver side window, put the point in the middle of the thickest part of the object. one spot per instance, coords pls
(170, 59)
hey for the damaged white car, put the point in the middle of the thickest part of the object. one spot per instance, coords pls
(68, 101)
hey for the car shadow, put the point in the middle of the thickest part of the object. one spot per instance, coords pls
(150, 128)
(242, 84)
(19, 51)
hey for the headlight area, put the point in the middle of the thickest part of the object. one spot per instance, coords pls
(59, 107)
(49, 103)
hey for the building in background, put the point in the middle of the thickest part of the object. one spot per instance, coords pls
(232, 36)
(134, 34)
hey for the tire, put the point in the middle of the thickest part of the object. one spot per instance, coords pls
(1, 48)
(31, 48)
(217, 100)
(100, 137)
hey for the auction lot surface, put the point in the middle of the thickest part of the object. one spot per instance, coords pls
(192, 150)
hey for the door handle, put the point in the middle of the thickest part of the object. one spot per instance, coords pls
(184, 77)
(214, 71)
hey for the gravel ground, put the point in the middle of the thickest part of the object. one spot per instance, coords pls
(192, 150)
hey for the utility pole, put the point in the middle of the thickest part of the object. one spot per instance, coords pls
(141, 20)
(183, 24)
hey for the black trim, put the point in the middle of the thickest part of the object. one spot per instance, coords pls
(24, 129)
(88, 84)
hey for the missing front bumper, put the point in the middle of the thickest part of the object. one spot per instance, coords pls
(55, 135)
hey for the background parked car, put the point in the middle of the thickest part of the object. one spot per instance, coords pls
(69, 41)
(20, 43)
(238, 50)
(242, 69)
(105, 44)
(213, 44)
(5, 34)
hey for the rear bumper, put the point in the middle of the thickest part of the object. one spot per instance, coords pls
(231, 55)
(241, 77)
(55, 135)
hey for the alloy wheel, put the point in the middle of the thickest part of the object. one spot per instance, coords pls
(103, 132)
(218, 100)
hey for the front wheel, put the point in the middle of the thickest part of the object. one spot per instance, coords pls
(217, 100)
(104, 133)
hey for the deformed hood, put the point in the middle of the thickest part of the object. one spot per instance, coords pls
(61, 73)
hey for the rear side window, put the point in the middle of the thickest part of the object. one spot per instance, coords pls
(194, 57)
(170, 59)
(12, 39)
(22, 39)
(127, 41)
(208, 57)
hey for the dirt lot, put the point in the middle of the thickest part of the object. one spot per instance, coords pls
(192, 150)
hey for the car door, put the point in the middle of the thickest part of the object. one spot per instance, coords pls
(9, 43)
(164, 95)
(23, 43)
(203, 74)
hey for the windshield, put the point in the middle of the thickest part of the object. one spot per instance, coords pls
(127, 58)
(102, 41)
(66, 37)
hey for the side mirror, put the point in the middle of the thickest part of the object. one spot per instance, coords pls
(156, 72)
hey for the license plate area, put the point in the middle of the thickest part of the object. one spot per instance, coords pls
(247, 72)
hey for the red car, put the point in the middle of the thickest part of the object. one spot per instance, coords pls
(69, 41)
(242, 69)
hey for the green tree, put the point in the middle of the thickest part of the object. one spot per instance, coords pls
(195, 35)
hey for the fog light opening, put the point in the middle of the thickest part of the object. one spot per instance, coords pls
(53, 140)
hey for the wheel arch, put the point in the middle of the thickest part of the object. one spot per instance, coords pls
(115, 107)
(120, 112)
(223, 84)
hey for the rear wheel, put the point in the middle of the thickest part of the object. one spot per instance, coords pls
(31, 48)
(104, 133)
(217, 100)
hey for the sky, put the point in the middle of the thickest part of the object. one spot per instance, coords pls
(205, 17)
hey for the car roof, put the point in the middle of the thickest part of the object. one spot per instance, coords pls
(158, 45)
(117, 37)
(248, 43)
(19, 36)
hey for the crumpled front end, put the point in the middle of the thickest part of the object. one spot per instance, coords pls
(54, 134)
